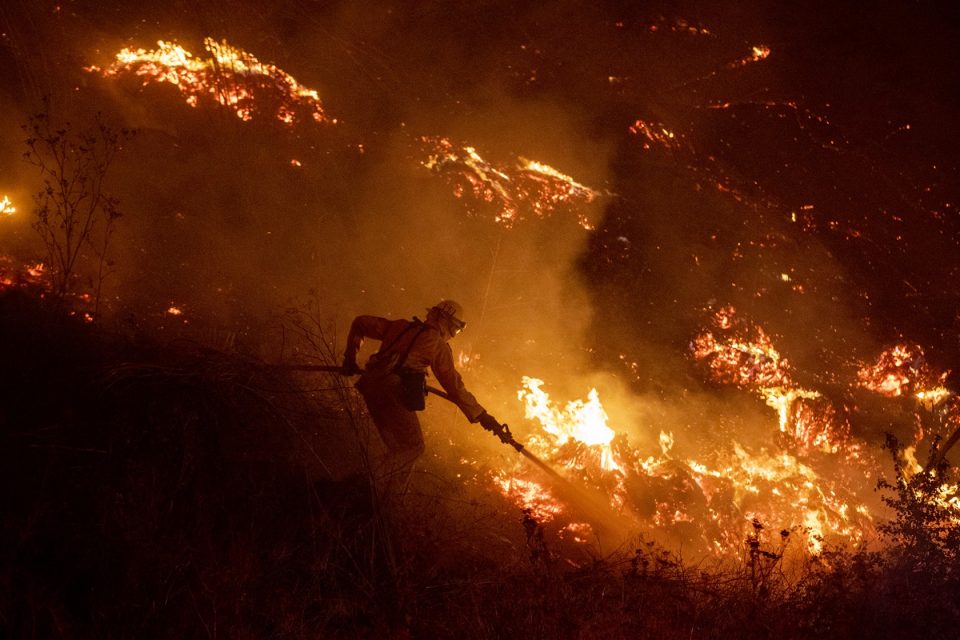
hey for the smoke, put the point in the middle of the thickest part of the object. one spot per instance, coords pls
(232, 221)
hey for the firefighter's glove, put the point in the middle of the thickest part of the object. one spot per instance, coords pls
(350, 368)
(490, 423)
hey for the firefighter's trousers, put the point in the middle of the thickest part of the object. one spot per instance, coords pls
(399, 428)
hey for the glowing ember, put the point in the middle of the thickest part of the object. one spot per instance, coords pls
(232, 77)
(757, 53)
(523, 188)
(932, 397)
(656, 134)
(530, 495)
(739, 353)
(6, 207)
(761, 52)
(679, 25)
(902, 370)
(17, 274)
(175, 311)
(744, 356)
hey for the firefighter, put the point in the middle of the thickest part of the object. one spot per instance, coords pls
(393, 384)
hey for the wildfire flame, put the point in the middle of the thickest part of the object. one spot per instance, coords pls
(757, 53)
(6, 207)
(531, 496)
(903, 370)
(746, 357)
(720, 498)
(230, 76)
(523, 187)
(584, 422)
(741, 354)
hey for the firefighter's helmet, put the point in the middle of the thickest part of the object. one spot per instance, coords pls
(452, 313)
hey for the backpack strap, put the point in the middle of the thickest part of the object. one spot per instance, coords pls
(415, 324)
(386, 347)
(406, 351)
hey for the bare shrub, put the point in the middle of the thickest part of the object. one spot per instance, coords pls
(73, 208)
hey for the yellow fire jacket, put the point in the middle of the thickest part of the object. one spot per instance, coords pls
(430, 349)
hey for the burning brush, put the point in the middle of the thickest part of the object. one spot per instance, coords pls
(903, 371)
(229, 76)
(518, 190)
(709, 502)
(739, 353)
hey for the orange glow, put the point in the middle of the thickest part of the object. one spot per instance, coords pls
(903, 370)
(655, 134)
(230, 76)
(6, 207)
(584, 422)
(757, 53)
(523, 188)
(932, 397)
(722, 492)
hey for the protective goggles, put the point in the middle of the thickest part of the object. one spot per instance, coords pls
(456, 326)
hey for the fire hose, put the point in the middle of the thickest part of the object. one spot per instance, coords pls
(507, 438)
(503, 433)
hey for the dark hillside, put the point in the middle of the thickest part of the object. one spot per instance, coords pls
(151, 489)
(173, 491)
